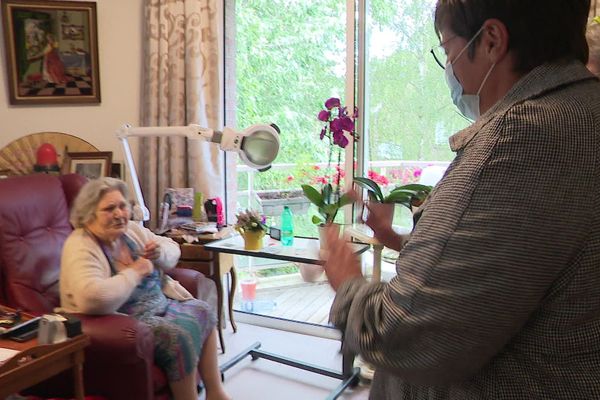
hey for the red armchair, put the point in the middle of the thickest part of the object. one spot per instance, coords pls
(34, 223)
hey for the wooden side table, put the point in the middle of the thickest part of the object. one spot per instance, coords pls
(214, 266)
(34, 364)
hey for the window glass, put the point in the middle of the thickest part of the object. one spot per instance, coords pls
(289, 58)
(409, 112)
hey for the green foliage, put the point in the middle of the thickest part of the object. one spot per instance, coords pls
(290, 57)
(328, 202)
(408, 195)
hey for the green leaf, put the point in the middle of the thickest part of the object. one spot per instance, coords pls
(317, 220)
(416, 187)
(312, 195)
(597, 19)
(345, 200)
(400, 196)
(370, 186)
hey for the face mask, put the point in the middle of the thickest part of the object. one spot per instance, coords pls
(467, 104)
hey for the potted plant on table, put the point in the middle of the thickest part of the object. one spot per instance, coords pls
(411, 195)
(337, 131)
(251, 225)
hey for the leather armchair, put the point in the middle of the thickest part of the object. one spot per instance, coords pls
(34, 224)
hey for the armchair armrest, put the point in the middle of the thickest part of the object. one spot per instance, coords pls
(121, 335)
(197, 284)
(121, 352)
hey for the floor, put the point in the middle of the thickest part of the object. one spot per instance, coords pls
(264, 379)
(291, 298)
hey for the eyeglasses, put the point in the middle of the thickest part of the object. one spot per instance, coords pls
(439, 54)
(123, 207)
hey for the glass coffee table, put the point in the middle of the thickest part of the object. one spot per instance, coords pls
(304, 250)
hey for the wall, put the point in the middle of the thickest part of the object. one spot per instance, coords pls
(120, 52)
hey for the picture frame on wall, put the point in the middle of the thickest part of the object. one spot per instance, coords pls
(92, 165)
(51, 51)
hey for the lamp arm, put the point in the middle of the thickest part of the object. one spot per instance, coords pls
(248, 144)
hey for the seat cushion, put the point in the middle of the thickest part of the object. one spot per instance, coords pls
(33, 227)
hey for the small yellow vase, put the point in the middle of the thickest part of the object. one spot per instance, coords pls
(253, 240)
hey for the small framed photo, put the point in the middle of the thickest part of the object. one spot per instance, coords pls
(92, 165)
(117, 170)
(51, 51)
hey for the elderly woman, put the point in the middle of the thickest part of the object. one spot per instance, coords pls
(112, 265)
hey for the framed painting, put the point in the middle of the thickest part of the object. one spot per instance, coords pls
(92, 165)
(51, 51)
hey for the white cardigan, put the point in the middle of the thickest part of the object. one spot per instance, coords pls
(86, 284)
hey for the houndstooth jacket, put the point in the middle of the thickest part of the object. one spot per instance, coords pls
(497, 292)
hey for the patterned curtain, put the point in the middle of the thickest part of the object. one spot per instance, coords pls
(181, 86)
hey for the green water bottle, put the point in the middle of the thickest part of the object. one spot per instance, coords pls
(287, 227)
(198, 204)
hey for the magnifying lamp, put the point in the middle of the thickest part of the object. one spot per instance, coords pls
(257, 146)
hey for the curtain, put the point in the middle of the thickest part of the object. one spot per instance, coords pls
(180, 86)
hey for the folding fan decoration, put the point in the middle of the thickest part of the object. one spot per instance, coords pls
(19, 156)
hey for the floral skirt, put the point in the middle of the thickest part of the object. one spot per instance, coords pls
(180, 328)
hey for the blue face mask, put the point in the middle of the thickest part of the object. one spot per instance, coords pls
(467, 104)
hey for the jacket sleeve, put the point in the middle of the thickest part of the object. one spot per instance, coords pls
(500, 228)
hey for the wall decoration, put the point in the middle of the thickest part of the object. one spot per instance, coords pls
(92, 165)
(51, 51)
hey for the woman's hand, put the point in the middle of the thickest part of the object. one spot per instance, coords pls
(341, 263)
(151, 251)
(142, 266)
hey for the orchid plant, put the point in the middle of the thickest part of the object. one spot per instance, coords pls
(338, 127)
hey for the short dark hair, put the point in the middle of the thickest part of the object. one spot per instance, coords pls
(540, 31)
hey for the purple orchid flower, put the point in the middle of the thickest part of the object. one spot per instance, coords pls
(347, 124)
(324, 115)
(340, 139)
(336, 125)
(323, 132)
(332, 102)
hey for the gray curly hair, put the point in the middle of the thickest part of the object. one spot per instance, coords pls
(86, 202)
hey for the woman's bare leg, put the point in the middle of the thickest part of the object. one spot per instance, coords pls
(186, 388)
(209, 369)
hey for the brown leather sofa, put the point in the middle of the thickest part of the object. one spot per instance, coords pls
(34, 224)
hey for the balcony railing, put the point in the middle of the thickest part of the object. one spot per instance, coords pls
(400, 168)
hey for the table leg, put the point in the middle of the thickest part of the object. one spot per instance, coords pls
(78, 376)
(220, 322)
(377, 249)
(232, 290)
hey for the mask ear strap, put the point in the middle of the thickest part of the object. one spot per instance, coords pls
(486, 78)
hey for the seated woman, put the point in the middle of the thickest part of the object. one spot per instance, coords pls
(112, 265)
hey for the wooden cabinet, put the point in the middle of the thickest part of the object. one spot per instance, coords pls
(214, 266)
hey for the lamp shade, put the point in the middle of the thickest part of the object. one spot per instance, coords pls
(46, 159)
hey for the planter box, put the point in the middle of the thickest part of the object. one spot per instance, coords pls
(272, 201)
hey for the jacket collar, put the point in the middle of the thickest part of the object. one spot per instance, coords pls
(541, 79)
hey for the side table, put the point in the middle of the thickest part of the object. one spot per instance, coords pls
(34, 364)
(214, 266)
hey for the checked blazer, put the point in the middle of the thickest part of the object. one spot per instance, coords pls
(497, 291)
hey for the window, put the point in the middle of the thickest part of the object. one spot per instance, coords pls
(409, 115)
(284, 58)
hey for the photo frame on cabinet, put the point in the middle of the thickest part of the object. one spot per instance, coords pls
(92, 165)
(51, 51)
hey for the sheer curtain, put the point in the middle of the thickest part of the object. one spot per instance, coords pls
(180, 86)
